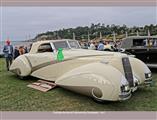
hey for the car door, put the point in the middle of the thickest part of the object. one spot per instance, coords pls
(43, 57)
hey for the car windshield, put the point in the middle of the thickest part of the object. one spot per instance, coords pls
(74, 44)
(61, 44)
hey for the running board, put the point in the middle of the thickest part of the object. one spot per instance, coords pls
(42, 85)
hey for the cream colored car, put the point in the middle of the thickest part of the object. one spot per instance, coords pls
(102, 75)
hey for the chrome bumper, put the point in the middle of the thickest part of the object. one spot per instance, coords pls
(148, 82)
(125, 95)
(133, 89)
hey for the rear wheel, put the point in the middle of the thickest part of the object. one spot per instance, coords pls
(98, 100)
(21, 77)
(96, 95)
(18, 72)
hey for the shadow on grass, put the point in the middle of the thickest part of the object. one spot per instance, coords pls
(25, 79)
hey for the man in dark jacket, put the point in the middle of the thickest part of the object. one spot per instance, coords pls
(8, 53)
(16, 52)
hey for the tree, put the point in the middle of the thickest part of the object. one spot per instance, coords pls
(95, 29)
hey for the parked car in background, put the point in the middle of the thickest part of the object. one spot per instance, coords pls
(101, 75)
(143, 47)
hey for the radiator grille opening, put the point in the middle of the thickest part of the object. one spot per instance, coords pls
(128, 71)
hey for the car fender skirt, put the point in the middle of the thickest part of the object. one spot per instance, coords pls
(92, 78)
(91, 91)
(96, 93)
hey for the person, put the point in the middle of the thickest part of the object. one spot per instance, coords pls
(85, 46)
(30, 46)
(155, 43)
(26, 50)
(101, 46)
(96, 45)
(150, 43)
(8, 53)
(16, 52)
(115, 47)
(21, 50)
(92, 46)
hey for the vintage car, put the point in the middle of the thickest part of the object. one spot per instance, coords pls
(101, 75)
(143, 47)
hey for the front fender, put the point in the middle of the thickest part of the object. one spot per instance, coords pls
(139, 69)
(95, 79)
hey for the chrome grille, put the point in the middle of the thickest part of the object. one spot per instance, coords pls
(128, 71)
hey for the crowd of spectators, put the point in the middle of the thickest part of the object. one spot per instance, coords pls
(101, 45)
(11, 52)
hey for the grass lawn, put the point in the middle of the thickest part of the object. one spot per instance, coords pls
(16, 96)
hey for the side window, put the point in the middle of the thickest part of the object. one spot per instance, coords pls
(45, 48)
(138, 42)
(61, 44)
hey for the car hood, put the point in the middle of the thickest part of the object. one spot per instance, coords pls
(77, 53)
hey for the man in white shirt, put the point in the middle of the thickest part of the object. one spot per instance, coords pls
(92, 46)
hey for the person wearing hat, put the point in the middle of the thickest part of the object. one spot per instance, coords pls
(8, 53)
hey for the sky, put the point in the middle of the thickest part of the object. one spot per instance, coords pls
(21, 23)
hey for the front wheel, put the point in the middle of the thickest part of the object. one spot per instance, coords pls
(21, 77)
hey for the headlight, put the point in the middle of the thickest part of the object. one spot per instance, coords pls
(125, 88)
(148, 75)
(136, 80)
(124, 85)
(124, 81)
(148, 79)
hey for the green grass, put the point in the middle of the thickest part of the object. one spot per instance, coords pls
(16, 96)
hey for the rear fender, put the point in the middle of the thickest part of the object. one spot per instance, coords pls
(21, 66)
